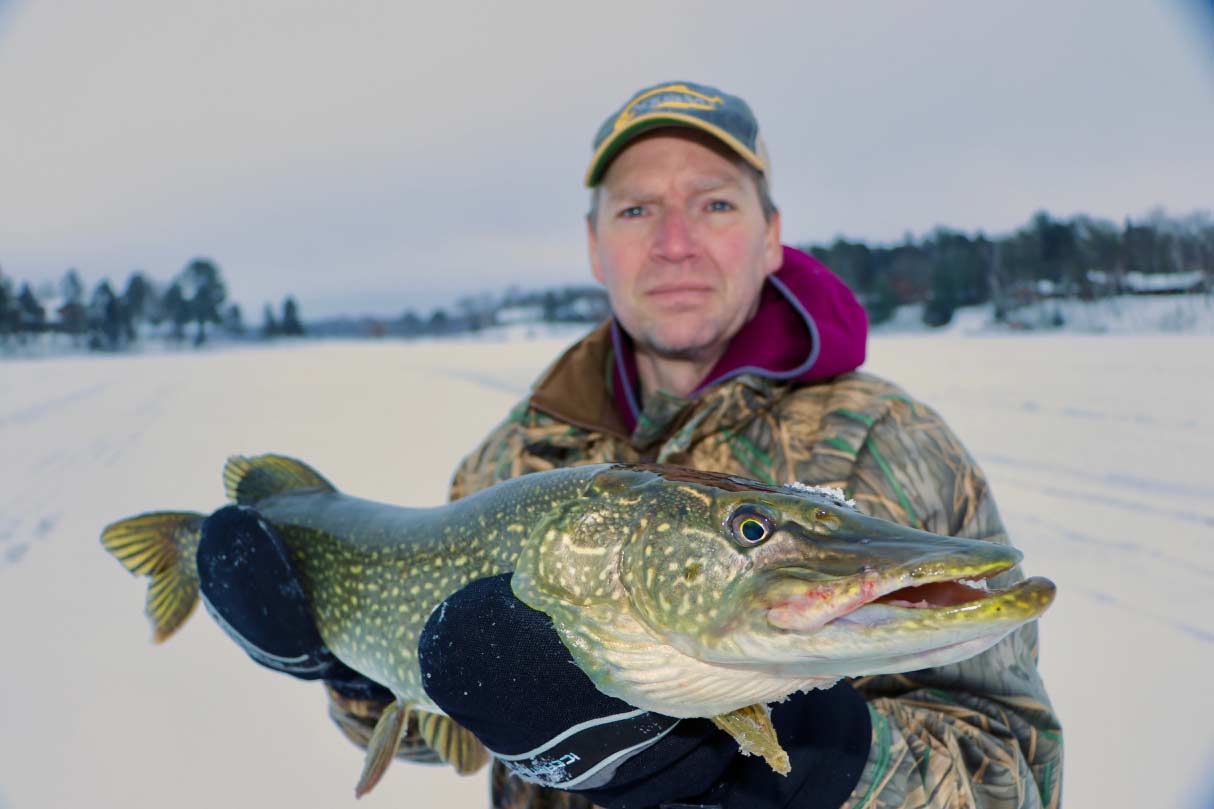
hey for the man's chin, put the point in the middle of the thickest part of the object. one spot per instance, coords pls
(688, 346)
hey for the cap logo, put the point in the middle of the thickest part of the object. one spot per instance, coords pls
(669, 97)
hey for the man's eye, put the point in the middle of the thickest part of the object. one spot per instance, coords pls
(720, 205)
(632, 213)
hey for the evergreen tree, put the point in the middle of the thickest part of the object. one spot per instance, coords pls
(72, 317)
(233, 321)
(206, 292)
(853, 262)
(106, 319)
(71, 288)
(411, 323)
(290, 326)
(269, 325)
(31, 317)
(439, 323)
(8, 311)
(942, 300)
(176, 310)
(138, 301)
(881, 302)
(551, 306)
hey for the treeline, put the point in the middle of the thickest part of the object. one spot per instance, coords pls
(195, 300)
(474, 313)
(1081, 257)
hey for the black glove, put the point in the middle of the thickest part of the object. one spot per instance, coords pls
(250, 588)
(498, 668)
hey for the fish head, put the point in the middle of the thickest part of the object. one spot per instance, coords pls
(788, 579)
(795, 579)
(694, 594)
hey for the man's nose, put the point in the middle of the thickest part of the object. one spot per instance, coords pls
(675, 236)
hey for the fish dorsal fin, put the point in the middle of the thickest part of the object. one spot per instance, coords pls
(454, 743)
(382, 747)
(751, 728)
(249, 480)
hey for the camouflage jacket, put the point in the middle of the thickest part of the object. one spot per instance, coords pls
(978, 733)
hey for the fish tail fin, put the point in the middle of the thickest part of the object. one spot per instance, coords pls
(163, 546)
(248, 480)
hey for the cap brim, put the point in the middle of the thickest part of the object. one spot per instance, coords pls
(612, 145)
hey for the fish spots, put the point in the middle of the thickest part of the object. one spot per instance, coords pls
(583, 550)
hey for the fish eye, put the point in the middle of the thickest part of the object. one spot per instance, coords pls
(749, 526)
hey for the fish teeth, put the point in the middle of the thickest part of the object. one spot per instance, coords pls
(977, 584)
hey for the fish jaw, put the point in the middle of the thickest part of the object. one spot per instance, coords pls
(804, 595)
(894, 635)
(913, 616)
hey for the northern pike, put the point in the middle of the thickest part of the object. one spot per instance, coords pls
(686, 593)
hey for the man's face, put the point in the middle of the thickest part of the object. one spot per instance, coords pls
(681, 244)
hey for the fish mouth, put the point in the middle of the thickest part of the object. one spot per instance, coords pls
(937, 594)
(906, 599)
(953, 602)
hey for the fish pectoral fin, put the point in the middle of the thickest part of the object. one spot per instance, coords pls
(751, 728)
(454, 743)
(382, 747)
(249, 480)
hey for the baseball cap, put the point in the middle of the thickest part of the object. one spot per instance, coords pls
(682, 104)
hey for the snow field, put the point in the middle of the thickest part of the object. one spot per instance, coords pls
(1099, 452)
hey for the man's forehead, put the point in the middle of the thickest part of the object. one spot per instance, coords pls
(701, 163)
(642, 183)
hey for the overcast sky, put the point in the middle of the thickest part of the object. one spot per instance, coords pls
(369, 157)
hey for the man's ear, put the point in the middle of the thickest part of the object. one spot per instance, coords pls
(592, 242)
(773, 251)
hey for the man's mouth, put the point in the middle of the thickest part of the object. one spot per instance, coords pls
(678, 290)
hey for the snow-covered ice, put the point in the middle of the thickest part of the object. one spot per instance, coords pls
(1099, 449)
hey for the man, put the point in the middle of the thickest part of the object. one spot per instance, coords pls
(730, 353)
